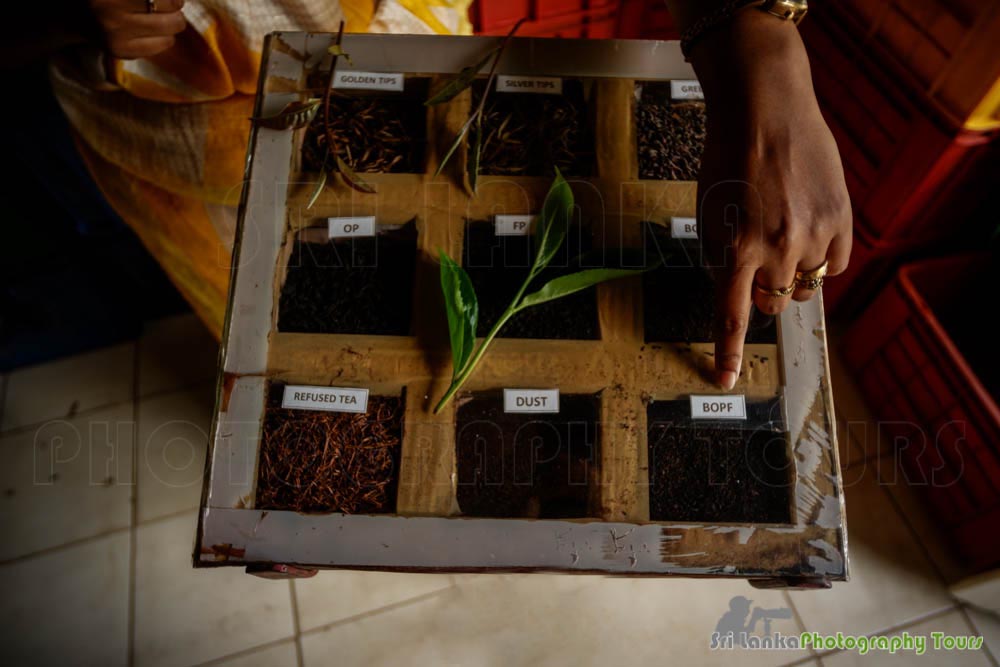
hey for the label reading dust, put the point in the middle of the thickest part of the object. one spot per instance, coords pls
(513, 225)
(531, 400)
(327, 399)
(529, 84)
(686, 90)
(350, 228)
(684, 228)
(718, 407)
(368, 80)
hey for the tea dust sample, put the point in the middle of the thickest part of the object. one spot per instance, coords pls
(671, 135)
(313, 461)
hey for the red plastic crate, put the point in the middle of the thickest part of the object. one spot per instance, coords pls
(546, 18)
(924, 393)
(872, 264)
(910, 174)
(943, 50)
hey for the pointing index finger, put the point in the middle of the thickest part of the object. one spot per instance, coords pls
(732, 315)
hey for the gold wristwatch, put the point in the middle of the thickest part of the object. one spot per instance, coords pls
(788, 10)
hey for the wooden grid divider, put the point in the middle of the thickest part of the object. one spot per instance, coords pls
(625, 371)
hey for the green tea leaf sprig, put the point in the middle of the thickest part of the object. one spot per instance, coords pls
(462, 306)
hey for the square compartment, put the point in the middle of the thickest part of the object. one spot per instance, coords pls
(321, 462)
(529, 134)
(526, 465)
(679, 297)
(379, 132)
(497, 265)
(350, 286)
(670, 134)
(719, 471)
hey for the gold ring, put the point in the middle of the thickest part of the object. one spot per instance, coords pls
(777, 292)
(150, 6)
(812, 280)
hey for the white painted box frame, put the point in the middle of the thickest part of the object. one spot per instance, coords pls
(811, 551)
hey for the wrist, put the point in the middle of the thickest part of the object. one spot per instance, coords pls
(750, 53)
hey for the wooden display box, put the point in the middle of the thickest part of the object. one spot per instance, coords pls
(624, 400)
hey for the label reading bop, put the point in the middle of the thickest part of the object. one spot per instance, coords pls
(683, 228)
(529, 84)
(531, 400)
(368, 80)
(349, 228)
(512, 225)
(686, 90)
(718, 407)
(327, 399)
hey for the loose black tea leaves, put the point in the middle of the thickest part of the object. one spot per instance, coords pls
(671, 135)
(330, 461)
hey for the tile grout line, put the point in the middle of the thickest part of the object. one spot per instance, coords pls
(375, 612)
(133, 504)
(24, 428)
(244, 652)
(963, 609)
(296, 626)
(798, 619)
(917, 620)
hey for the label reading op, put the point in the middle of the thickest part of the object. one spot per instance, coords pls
(350, 228)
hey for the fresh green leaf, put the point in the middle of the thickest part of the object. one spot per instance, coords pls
(574, 282)
(461, 81)
(338, 51)
(551, 229)
(352, 178)
(474, 155)
(318, 190)
(294, 116)
(454, 146)
(463, 311)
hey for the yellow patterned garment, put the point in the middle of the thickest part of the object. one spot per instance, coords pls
(165, 137)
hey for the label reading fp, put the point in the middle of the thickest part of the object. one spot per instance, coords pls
(513, 225)
(718, 407)
(368, 80)
(529, 84)
(683, 228)
(326, 399)
(349, 228)
(686, 90)
(531, 400)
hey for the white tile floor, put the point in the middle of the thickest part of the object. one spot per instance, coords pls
(103, 458)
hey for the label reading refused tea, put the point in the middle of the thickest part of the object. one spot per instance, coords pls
(368, 80)
(686, 90)
(683, 228)
(718, 407)
(326, 399)
(531, 400)
(529, 84)
(512, 225)
(351, 227)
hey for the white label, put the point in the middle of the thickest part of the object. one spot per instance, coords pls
(686, 90)
(684, 228)
(529, 84)
(531, 400)
(368, 80)
(349, 228)
(718, 407)
(327, 399)
(513, 225)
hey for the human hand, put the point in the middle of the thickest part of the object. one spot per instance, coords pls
(131, 31)
(772, 196)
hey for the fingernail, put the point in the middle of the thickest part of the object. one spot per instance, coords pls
(727, 379)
